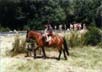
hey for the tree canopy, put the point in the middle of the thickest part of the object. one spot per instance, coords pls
(20, 14)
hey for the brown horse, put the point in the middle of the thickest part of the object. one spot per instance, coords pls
(56, 40)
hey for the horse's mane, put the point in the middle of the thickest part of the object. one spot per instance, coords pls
(38, 32)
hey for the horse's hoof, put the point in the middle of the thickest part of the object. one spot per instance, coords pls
(65, 58)
(26, 55)
(68, 54)
(44, 57)
(35, 57)
(58, 59)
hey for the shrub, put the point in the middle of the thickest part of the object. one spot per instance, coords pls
(2, 29)
(75, 39)
(93, 36)
(18, 46)
(100, 44)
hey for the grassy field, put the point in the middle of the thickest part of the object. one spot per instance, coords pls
(81, 59)
(86, 59)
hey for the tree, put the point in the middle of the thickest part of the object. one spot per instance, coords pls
(99, 16)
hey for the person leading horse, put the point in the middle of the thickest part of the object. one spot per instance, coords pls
(56, 41)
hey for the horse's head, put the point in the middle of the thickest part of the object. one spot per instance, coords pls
(28, 36)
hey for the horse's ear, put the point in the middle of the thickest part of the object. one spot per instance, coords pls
(27, 32)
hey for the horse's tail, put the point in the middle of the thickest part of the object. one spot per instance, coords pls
(66, 47)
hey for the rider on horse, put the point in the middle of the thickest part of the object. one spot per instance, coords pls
(48, 32)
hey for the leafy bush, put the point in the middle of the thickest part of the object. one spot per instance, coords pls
(100, 44)
(18, 46)
(73, 41)
(75, 38)
(2, 29)
(93, 36)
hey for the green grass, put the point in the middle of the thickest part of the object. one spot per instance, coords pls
(86, 59)
(81, 59)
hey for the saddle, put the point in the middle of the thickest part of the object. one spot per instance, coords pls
(46, 40)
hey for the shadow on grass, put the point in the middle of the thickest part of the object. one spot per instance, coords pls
(42, 57)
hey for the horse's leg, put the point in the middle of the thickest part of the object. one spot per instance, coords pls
(27, 54)
(66, 47)
(60, 52)
(44, 54)
(30, 53)
(34, 51)
(40, 51)
(67, 51)
(64, 54)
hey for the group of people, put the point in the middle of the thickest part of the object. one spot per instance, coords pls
(76, 26)
(48, 32)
